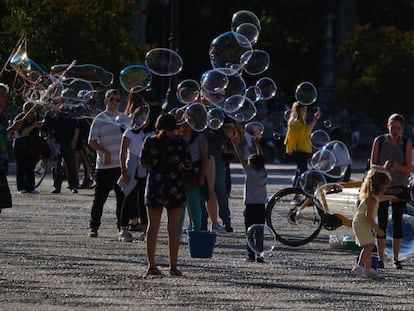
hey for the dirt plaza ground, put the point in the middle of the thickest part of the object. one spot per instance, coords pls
(47, 262)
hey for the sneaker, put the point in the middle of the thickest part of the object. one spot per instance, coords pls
(55, 191)
(217, 228)
(21, 191)
(228, 228)
(125, 236)
(74, 190)
(397, 264)
(380, 264)
(93, 233)
(359, 271)
(34, 191)
(260, 259)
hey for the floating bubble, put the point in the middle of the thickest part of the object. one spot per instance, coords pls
(306, 93)
(250, 31)
(327, 124)
(244, 17)
(179, 115)
(407, 247)
(319, 138)
(196, 116)
(261, 239)
(188, 91)
(252, 128)
(163, 62)
(122, 120)
(88, 72)
(233, 103)
(85, 95)
(75, 88)
(20, 61)
(226, 51)
(235, 86)
(245, 113)
(276, 136)
(268, 87)
(140, 117)
(255, 62)
(310, 180)
(135, 78)
(215, 118)
(286, 115)
(213, 81)
(253, 93)
(343, 158)
(323, 160)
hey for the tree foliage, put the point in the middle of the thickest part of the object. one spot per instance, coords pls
(381, 71)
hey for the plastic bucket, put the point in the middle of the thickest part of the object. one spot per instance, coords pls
(201, 243)
(374, 261)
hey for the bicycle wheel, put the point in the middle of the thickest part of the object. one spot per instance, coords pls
(291, 214)
(40, 171)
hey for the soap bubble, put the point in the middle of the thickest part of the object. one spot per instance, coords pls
(323, 160)
(261, 239)
(306, 93)
(252, 128)
(319, 138)
(310, 180)
(407, 247)
(196, 116)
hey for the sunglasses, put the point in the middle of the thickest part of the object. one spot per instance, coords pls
(114, 99)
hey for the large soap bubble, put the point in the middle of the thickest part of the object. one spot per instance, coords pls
(213, 81)
(135, 77)
(250, 31)
(319, 138)
(254, 93)
(235, 86)
(245, 113)
(306, 93)
(323, 160)
(196, 116)
(88, 72)
(261, 239)
(255, 62)
(252, 128)
(407, 247)
(188, 91)
(140, 117)
(267, 86)
(343, 158)
(226, 51)
(215, 118)
(244, 17)
(163, 62)
(179, 115)
(310, 180)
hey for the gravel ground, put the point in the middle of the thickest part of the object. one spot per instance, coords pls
(47, 262)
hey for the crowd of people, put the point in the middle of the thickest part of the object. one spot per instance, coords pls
(160, 163)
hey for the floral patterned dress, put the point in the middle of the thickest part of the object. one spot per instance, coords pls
(165, 187)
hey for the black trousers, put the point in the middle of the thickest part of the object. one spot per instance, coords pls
(255, 214)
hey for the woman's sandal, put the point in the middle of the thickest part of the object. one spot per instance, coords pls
(175, 272)
(153, 271)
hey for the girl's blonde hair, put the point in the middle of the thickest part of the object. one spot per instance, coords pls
(373, 183)
(294, 112)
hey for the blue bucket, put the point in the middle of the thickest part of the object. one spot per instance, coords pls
(201, 243)
(374, 261)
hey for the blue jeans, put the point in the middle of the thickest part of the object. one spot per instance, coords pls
(220, 188)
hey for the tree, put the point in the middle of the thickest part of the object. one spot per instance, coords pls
(380, 72)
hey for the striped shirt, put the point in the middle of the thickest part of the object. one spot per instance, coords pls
(106, 130)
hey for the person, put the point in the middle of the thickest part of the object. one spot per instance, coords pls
(392, 152)
(5, 131)
(105, 137)
(255, 192)
(166, 157)
(23, 148)
(134, 205)
(364, 226)
(297, 140)
(61, 125)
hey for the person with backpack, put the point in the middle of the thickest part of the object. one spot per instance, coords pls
(392, 152)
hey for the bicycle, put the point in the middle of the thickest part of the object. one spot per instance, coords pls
(296, 217)
(47, 161)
